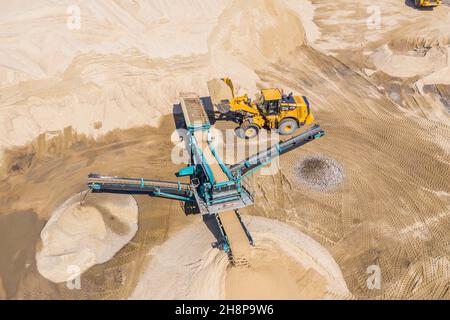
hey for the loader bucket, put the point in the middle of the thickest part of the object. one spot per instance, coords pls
(221, 94)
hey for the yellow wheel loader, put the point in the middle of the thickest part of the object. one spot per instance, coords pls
(427, 3)
(272, 110)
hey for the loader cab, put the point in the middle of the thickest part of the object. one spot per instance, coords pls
(269, 101)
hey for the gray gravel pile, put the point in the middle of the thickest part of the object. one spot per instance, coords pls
(319, 172)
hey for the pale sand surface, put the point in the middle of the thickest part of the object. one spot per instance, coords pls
(387, 123)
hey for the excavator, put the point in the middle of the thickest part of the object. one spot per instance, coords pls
(427, 3)
(271, 110)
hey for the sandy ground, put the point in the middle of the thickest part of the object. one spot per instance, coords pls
(401, 51)
(38, 186)
(382, 94)
(19, 232)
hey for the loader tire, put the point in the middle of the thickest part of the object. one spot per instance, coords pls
(287, 127)
(249, 131)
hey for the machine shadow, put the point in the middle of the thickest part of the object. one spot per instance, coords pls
(209, 109)
(211, 223)
(191, 208)
(178, 117)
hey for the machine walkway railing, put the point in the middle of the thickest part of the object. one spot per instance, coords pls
(99, 179)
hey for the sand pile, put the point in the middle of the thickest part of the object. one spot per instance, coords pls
(410, 64)
(272, 280)
(285, 263)
(319, 172)
(441, 76)
(78, 237)
(272, 274)
(128, 62)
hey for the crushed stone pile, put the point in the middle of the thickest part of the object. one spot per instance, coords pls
(319, 172)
